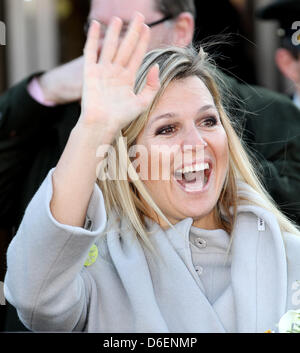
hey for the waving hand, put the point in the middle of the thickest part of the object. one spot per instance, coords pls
(108, 104)
(108, 99)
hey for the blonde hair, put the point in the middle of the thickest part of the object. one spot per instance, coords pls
(125, 196)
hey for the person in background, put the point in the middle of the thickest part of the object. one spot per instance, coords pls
(287, 56)
(39, 113)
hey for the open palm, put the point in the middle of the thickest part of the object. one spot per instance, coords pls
(108, 98)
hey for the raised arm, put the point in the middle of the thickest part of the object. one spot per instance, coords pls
(108, 104)
(51, 292)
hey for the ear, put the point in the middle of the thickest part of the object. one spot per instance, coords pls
(184, 29)
(287, 64)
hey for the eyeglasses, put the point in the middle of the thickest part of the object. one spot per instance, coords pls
(124, 27)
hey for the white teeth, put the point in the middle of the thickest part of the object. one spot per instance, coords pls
(193, 168)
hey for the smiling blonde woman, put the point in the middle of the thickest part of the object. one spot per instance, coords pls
(203, 250)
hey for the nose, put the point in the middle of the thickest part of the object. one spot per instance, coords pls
(193, 139)
(193, 146)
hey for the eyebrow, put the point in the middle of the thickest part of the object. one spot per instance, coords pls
(172, 115)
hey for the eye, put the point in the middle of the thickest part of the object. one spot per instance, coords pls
(166, 130)
(209, 121)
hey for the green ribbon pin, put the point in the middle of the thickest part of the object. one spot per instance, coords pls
(92, 256)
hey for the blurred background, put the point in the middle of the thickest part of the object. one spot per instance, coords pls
(40, 34)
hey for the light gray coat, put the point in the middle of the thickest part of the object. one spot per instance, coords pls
(128, 289)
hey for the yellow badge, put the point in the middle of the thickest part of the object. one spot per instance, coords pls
(92, 257)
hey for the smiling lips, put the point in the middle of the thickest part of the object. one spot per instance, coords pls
(194, 177)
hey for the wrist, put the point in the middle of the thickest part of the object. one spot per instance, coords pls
(36, 92)
(63, 84)
(95, 135)
(49, 93)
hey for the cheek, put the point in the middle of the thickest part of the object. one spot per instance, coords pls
(219, 146)
(222, 152)
(220, 141)
(223, 147)
(160, 159)
(157, 159)
(150, 161)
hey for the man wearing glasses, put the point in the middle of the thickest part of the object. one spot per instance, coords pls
(37, 116)
(171, 22)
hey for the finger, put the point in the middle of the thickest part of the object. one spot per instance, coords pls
(140, 50)
(92, 43)
(130, 40)
(151, 87)
(111, 40)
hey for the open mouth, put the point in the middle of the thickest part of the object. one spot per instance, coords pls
(194, 177)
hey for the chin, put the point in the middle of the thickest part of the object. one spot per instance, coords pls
(196, 212)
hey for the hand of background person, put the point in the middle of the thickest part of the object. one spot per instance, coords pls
(63, 84)
(108, 99)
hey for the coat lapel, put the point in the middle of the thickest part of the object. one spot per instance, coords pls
(259, 270)
(224, 307)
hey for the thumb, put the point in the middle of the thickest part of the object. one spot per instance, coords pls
(152, 86)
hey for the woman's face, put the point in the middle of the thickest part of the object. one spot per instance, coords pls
(187, 153)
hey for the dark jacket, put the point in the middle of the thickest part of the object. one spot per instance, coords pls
(271, 134)
(32, 138)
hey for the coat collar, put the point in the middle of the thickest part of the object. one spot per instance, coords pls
(258, 292)
(259, 270)
(254, 302)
